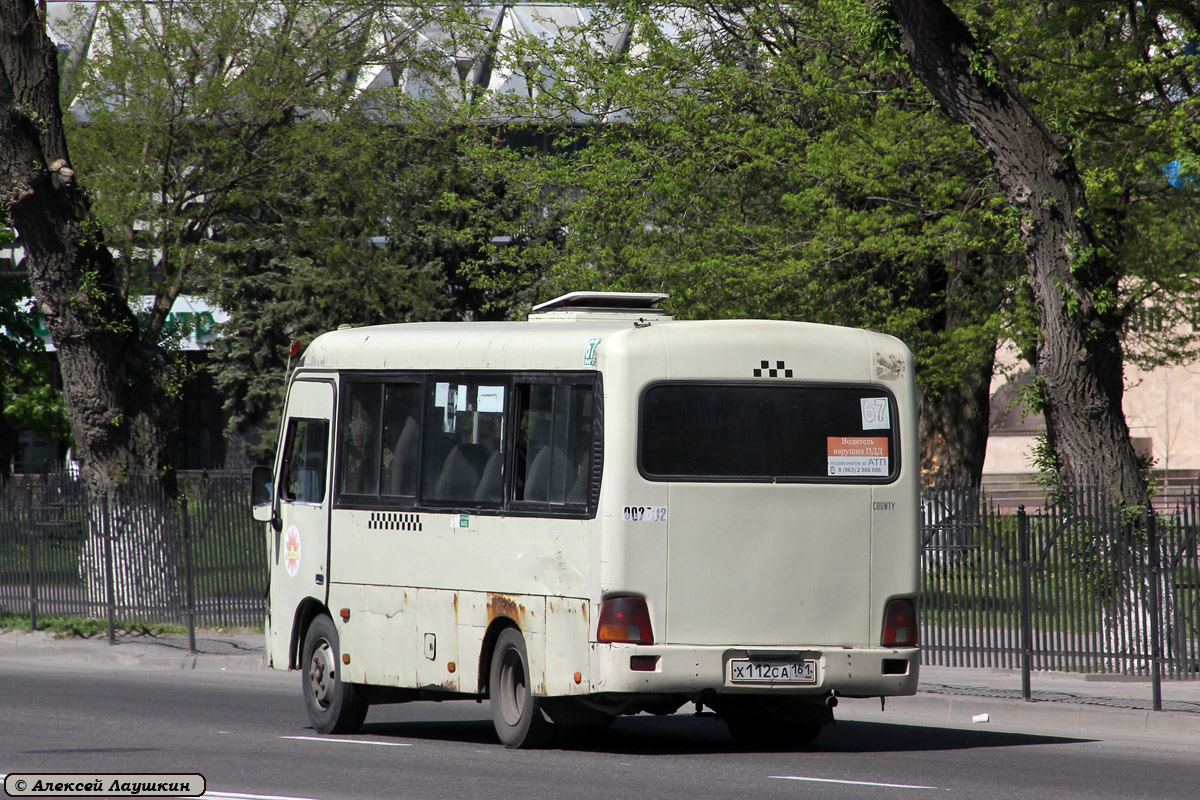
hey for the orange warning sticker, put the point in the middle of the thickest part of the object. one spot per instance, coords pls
(858, 456)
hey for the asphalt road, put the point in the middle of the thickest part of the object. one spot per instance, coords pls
(247, 733)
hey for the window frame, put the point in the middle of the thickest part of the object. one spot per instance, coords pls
(290, 438)
(894, 435)
(511, 380)
(596, 462)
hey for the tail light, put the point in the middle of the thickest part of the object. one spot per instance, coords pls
(900, 623)
(625, 619)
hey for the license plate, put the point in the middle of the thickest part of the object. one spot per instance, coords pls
(743, 670)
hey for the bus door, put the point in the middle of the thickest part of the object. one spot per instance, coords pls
(301, 537)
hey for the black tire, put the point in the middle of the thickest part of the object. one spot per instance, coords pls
(516, 713)
(333, 706)
(773, 723)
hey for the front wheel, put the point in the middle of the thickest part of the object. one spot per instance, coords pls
(333, 705)
(516, 713)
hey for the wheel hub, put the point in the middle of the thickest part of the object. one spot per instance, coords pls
(512, 689)
(321, 674)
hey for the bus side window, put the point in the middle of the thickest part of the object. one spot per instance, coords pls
(306, 452)
(555, 441)
(401, 439)
(360, 439)
(463, 450)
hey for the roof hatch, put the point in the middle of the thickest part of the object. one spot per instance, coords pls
(601, 304)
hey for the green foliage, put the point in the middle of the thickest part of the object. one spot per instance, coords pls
(28, 398)
(767, 161)
(231, 153)
(1045, 462)
(768, 164)
(1112, 79)
(389, 225)
(191, 113)
(763, 160)
(86, 627)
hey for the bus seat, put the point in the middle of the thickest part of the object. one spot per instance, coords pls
(541, 476)
(403, 482)
(461, 472)
(491, 484)
(579, 489)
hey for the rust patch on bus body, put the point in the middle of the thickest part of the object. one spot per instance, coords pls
(568, 606)
(501, 605)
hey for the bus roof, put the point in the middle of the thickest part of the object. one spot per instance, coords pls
(710, 348)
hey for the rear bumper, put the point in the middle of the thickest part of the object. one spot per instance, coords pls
(691, 670)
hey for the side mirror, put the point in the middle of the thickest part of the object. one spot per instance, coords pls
(262, 495)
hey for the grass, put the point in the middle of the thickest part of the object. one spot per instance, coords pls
(87, 628)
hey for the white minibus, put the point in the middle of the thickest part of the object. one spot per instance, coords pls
(598, 511)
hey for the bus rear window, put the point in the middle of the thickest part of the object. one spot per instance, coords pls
(766, 433)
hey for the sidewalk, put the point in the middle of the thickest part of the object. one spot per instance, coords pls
(962, 695)
(214, 649)
(954, 694)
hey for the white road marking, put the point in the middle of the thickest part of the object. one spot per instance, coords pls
(851, 783)
(346, 741)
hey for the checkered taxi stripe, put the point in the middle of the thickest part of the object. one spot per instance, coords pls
(779, 370)
(394, 521)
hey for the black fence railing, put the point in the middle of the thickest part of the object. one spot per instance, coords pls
(134, 555)
(1076, 585)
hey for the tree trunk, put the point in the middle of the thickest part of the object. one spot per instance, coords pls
(955, 414)
(954, 427)
(113, 384)
(1074, 282)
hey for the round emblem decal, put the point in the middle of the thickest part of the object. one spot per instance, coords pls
(291, 551)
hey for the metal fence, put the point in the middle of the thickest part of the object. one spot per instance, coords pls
(1076, 585)
(133, 556)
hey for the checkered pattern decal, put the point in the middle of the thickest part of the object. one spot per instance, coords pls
(394, 521)
(778, 371)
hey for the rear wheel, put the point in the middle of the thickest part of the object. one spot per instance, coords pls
(333, 705)
(773, 723)
(516, 713)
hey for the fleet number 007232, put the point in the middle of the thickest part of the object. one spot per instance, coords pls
(645, 513)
